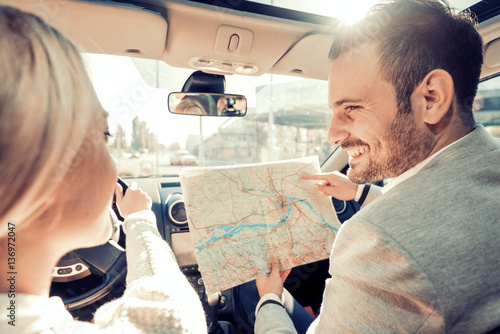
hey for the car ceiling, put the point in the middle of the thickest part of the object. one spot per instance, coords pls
(199, 35)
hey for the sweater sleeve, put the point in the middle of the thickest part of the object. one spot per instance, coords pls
(158, 297)
(271, 317)
(375, 287)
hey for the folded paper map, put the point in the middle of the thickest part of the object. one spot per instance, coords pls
(241, 216)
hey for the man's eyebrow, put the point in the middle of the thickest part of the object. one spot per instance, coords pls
(344, 101)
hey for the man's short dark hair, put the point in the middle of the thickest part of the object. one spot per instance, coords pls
(414, 37)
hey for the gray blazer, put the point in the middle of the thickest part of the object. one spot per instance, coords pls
(423, 258)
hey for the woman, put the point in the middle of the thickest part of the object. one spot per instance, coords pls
(195, 105)
(56, 184)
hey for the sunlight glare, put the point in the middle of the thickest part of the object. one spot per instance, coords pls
(349, 11)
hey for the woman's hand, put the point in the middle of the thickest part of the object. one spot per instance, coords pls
(274, 282)
(334, 184)
(135, 200)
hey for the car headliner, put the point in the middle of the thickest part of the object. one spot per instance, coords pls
(183, 33)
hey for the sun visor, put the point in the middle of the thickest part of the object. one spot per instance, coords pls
(134, 31)
(313, 48)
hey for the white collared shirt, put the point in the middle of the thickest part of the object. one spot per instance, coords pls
(417, 168)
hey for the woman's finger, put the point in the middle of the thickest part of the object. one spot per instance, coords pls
(118, 193)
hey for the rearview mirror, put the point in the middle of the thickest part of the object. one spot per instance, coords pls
(207, 104)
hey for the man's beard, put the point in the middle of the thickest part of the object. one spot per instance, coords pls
(404, 146)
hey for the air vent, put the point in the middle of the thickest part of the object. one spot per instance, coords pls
(177, 213)
(176, 210)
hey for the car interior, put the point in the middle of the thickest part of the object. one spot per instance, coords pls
(257, 69)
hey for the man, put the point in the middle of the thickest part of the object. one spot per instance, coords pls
(424, 257)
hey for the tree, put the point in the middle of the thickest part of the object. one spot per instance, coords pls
(138, 142)
(174, 146)
(120, 139)
(142, 138)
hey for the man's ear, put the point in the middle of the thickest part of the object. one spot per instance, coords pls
(437, 92)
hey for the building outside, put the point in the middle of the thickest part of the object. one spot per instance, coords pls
(299, 126)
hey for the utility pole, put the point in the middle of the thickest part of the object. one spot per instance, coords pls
(270, 122)
(201, 147)
(157, 153)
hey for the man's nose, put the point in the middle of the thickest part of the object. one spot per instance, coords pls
(338, 129)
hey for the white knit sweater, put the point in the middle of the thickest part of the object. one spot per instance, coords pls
(158, 297)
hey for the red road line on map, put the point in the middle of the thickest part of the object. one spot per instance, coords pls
(258, 176)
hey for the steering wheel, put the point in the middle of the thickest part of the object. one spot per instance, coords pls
(103, 267)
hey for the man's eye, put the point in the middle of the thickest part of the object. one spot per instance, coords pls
(349, 109)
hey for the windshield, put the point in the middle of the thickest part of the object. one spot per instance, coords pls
(287, 117)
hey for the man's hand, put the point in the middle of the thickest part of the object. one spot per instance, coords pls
(135, 200)
(334, 184)
(274, 282)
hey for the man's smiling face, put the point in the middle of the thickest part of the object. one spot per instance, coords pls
(381, 142)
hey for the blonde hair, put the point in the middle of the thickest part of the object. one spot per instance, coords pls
(47, 110)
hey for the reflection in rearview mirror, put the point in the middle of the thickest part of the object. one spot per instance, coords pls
(207, 104)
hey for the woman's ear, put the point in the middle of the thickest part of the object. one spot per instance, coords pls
(437, 93)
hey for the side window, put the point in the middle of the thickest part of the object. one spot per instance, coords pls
(487, 105)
